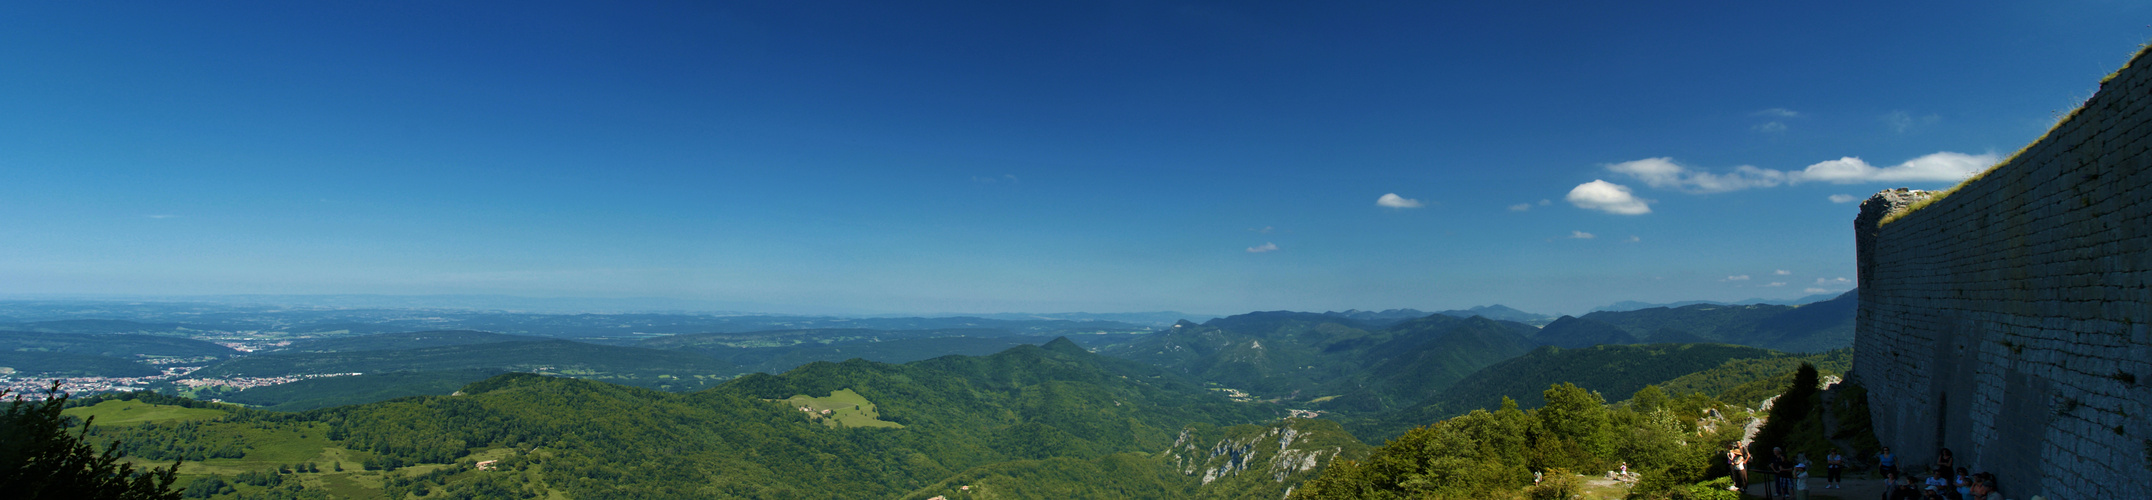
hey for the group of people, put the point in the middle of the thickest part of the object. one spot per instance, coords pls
(1947, 480)
(1790, 476)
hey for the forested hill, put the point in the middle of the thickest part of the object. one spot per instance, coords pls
(113, 345)
(1043, 401)
(97, 354)
(1814, 327)
(1309, 358)
(1614, 370)
(1387, 317)
(780, 350)
(1571, 332)
(893, 429)
(1424, 357)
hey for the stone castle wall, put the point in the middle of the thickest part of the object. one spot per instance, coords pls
(2011, 320)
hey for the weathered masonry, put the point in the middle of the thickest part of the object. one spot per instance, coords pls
(2010, 319)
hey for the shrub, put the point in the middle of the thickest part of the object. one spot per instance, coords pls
(1556, 484)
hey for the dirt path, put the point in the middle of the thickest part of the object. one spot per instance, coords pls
(1830, 431)
(1855, 489)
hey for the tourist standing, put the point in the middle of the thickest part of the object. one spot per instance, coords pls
(1781, 473)
(1834, 469)
(1886, 463)
(1737, 458)
(1800, 481)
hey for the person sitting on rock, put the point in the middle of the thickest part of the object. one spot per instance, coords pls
(1984, 490)
(1940, 483)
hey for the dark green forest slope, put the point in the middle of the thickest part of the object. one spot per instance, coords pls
(1606, 369)
(358, 389)
(438, 362)
(1192, 411)
(1812, 327)
(1424, 358)
(63, 364)
(1571, 332)
(1326, 359)
(124, 346)
(60, 354)
(778, 351)
(593, 440)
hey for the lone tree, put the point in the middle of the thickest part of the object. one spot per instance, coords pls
(39, 459)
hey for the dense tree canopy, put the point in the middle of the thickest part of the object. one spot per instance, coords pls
(40, 459)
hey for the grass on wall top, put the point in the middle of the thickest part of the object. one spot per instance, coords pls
(1939, 195)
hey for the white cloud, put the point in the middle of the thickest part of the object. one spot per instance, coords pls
(161, 216)
(1769, 127)
(1520, 207)
(1737, 277)
(1264, 229)
(1544, 202)
(1782, 272)
(1608, 197)
(1581, 235)
(1392, 200)
(1832, 281)
(1776, 283)
(1843, 198)
(1779, 112)
(1815, 290)
(1663, 173)
(1634, 239)
(1266, 247)
(1942, 166)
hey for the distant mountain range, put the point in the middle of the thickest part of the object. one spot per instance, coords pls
(1631, 305)
(1159, 319)
(1813, 327)
(1391, 316)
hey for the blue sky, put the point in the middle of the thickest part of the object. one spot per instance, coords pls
(1214, 157)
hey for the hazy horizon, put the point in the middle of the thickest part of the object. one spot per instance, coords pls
(656, 305)
(969, 158)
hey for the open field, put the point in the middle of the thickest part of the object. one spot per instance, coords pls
(137, 413)
(846, 409)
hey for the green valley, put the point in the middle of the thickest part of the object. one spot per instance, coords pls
(1249, 406)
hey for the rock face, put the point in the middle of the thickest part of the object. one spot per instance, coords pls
(1257, 462)
(2011, 320)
